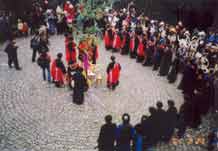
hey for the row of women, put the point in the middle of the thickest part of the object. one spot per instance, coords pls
(170, 50)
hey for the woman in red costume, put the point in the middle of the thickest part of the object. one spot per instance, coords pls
(70, 47)
(58, 71)
(94, 53)
(134, 43)
(67, 6)
(117, 43)
(113, 74)
(108, 38)
(140, 50)
(125, 43)
(82, 47)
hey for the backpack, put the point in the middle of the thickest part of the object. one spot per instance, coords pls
(34, 43)
(43, 61)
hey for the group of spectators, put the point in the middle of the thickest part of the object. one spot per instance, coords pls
(5, 30)
(170, 50)
(158, 127)
(59, 19)
(45, 22)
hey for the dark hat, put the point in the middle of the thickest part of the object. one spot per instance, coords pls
(113, 58)
(59, 55)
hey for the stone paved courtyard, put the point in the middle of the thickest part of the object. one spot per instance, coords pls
(36, 116)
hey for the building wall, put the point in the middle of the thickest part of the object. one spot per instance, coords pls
(2, 6)
(194, 13)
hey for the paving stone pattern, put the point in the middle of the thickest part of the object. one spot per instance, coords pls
(36, 116)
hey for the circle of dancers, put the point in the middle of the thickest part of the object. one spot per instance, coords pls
(168, 49)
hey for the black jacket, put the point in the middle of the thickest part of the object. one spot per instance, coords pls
(107, 136)
(11, 50)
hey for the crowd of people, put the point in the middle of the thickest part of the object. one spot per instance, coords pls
(5, 30)
(146, 134)
(44, 23)
(168, 49)
(78, 57)
(57, 19)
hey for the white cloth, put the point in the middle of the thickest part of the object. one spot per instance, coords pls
(20, 26)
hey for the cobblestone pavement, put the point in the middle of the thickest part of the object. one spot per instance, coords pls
(36, 116)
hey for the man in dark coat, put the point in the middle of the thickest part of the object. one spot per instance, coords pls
(160, 120)
(80, 85)
(11, 50)
(189, 76)
(166, 61)
(171, 118)
(125, 134)
(172, 76)
(35, 41)
(43, 45)
(200, 99)
(151, 128)
(107, 136)
(184, 117)
(158, 54)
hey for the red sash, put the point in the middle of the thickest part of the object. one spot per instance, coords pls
(66, 7)
(117, 42)
(114, 74)
(106, 39)
(70, 55)
(140, 50)
(56, 73)
(162, 46)
(132, 44)
(123, 42)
